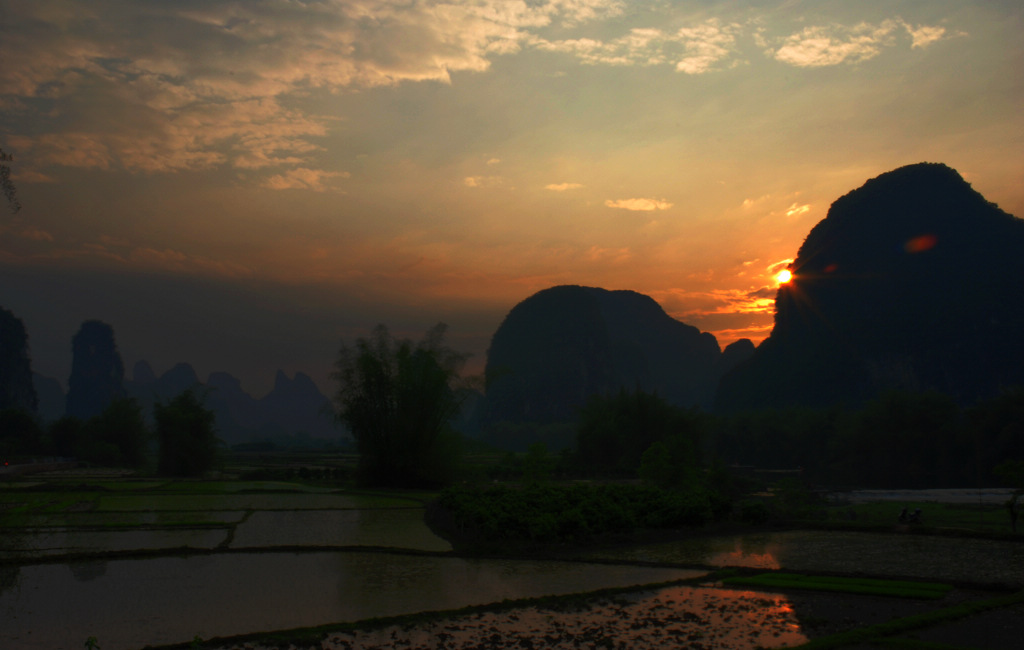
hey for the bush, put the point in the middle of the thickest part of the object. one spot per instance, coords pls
(558, 513)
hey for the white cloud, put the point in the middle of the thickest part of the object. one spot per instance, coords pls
(925, 35)
(562, 187)
(692, 50)
(705, 46)
(825, 45)
(822, 46)
(642, 205)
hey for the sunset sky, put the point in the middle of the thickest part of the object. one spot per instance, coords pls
(242, 185)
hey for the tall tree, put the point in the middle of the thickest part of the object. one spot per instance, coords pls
(397, 398)
(186, 435)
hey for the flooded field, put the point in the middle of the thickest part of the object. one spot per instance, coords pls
(132, 603)
(213, 572)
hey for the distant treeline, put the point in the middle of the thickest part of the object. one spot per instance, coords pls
(902, 439)
(906, 440)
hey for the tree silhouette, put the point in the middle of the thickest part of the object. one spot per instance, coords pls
(398, 398)
(10, 192)
(185, 432)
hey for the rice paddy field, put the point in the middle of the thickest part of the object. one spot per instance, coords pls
(128, 562)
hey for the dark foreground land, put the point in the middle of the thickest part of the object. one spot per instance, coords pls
(701, 614)
(967, 547)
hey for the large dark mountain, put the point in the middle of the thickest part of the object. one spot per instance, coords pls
(562, 345)
(912, 282)
(16, 388)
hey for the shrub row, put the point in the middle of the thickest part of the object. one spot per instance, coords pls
(553, 513)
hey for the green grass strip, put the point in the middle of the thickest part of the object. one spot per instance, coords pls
(864, 586)
(874, 633)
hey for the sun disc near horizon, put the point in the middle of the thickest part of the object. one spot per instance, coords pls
(783, 276)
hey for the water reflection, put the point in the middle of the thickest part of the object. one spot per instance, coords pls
(88, 570)
(672, 617)
(167, 600)
(383, 527)
(9, 576)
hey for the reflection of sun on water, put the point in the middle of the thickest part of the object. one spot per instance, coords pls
(739, 557)
(673, 616)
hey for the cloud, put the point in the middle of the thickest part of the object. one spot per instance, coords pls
(562, 187)
(925, 35)
(691, 50)
(609, 255)
(796, 210)
(643, 205)
(159, 87)
(303, 179)
(823, 46)
(482, 181)
(827, 45)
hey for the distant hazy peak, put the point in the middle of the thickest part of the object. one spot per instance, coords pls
(142, 372)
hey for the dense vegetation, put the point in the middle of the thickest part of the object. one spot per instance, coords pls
(902, 439)
(562, 512)
(185, 437)
(398, 399)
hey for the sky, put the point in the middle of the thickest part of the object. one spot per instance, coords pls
(243, 185)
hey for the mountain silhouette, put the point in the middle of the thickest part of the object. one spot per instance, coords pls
(51, 397)
(292, 407)
(562, 345)
(16, 388)
(97, 372)
(912, 282)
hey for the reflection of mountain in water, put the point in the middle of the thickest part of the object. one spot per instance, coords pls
(912, 282)
(88, 570)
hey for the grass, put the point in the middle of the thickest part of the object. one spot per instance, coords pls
(866, 586)
(973, 517)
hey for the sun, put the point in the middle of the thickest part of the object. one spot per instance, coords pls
(783, 276)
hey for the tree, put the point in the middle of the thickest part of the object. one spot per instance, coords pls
(615, 431)
(186, 435)
(6, 185)
(397, 398)
(20, 434)
(121, 429)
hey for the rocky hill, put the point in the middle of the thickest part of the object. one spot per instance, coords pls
(911, 282)
(566, 343)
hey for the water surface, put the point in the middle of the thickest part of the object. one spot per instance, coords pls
(132, 603)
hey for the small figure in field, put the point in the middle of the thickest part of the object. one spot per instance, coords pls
(910, 518)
